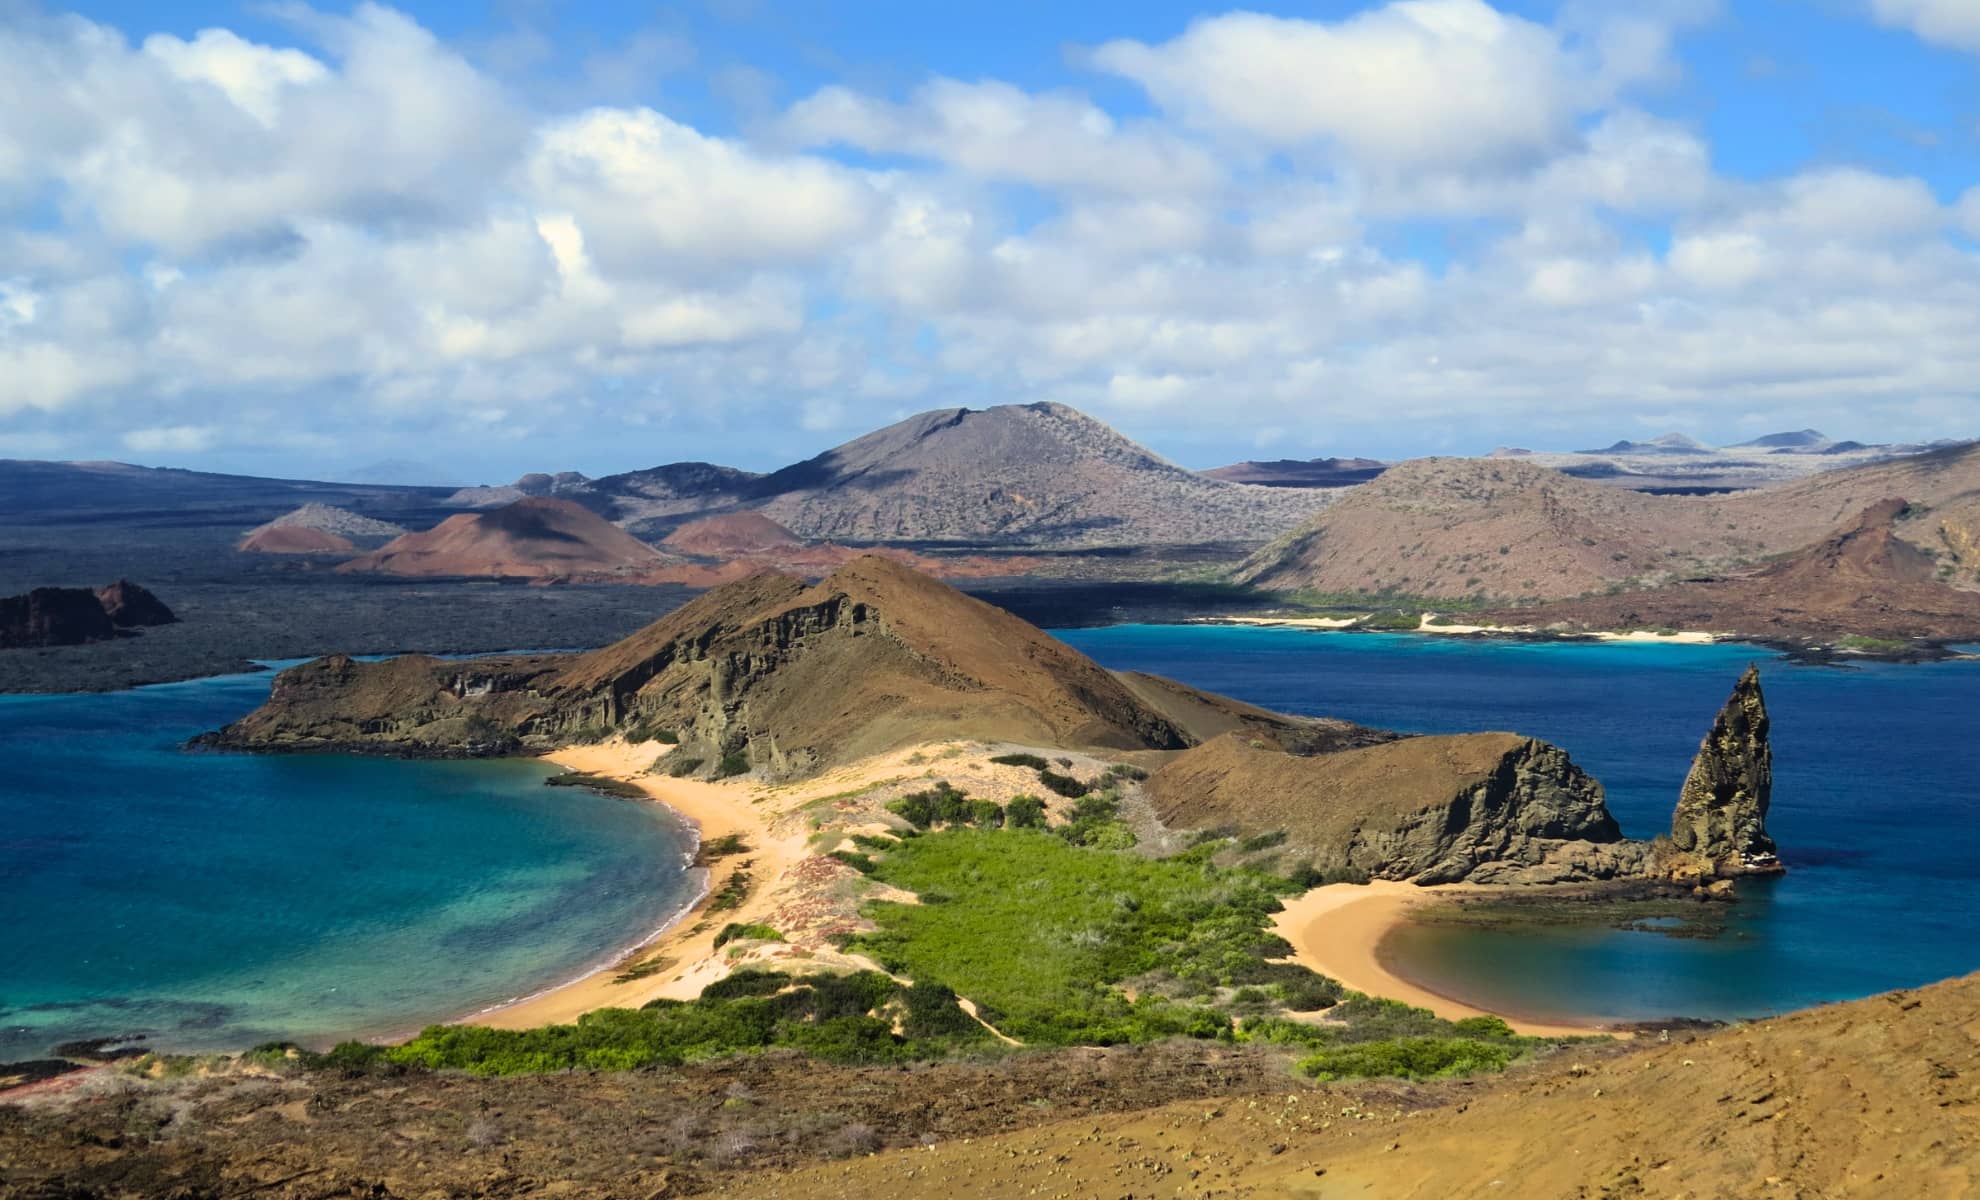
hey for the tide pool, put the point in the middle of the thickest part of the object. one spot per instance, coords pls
(215, 901)
(1877, 780)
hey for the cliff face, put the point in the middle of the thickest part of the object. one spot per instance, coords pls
(766, 672)
(1432, 809)
(132, 607)
(1720, 827)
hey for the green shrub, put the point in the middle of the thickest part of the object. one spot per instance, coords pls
(986, 814)
(933, 1012)
(1306, 876)
(1126, 771)
(725, 846)
(734, 763)
(680, 767)
(939, 805)
(1262, 841)
(735, 931)
(1064, 785)
(862, 863)
(1408, 1058)
(1025, 812)
(1021, 760)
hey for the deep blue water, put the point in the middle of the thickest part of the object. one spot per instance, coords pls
(218, 900)
(1876, 802)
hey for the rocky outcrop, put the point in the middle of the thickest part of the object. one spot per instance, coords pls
(132, 607)
(1719, 830)
(54, 617)
(766, 674)
(1432, 809)
(74, 616)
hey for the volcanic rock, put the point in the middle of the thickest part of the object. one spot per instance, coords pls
(294, 539)
(539, 537)
(1432, 809)
(54, 617)
(1719, 830)
(131, 607)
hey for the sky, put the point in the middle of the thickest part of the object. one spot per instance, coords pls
(478, 239)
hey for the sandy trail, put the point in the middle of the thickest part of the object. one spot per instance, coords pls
(1338, 929)
(717, 810)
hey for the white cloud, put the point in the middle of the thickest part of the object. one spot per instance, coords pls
(649, 191)
(1954, 23)
(995, 131)
(1967, 212)
(253, 77)
(1414, 84)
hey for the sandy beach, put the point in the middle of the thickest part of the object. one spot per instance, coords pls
(1338, 929)
(717, 810)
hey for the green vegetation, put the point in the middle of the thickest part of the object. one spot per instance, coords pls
(647, 731)
(1874, 645)
(840, 1018)
(680, 767)
(1370, 1037)
(1032, 761)
(1409, 1058)
(1042, 934)
(1064, 785)
(1025, 812)
(744, 932)
(1126, 771)
(732, 893)
(1262, 841)
(603, 784)
(1094, 821)
(734, 763)
(1392, 622)
(723, 847)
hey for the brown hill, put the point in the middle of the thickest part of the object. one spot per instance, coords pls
(732, 535)
(130, 606)
(1509, 529)
(766, 672)
(294, 539)
(1497, 527)
(1872, 1098)
(1432, 809)
(1032, 474)
(539, 537)
(1862, 580)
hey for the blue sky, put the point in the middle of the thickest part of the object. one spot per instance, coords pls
(528, 236)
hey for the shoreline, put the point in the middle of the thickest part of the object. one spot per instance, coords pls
(1338, 930)
(686, 939)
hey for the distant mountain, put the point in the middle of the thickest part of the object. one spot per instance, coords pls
(294, 539)
(533, 484)
(1507, 528)
(652, 501)
(1468, 526)
(538, 537)
(1308, 473)
(1670, 443)
(43, 490)
(1862, 579)
(1808, 440)
(732, 535)
(1027, 475)
(61, 616)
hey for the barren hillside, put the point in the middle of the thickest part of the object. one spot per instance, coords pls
(534, 538)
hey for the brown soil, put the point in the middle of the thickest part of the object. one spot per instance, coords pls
(1863, 580)
(294, 539)
(539, 537)
(1874, 1099)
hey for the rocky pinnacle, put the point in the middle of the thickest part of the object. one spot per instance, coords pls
(1720, 827)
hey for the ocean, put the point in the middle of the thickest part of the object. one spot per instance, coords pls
(1877, 781)
(217, 901)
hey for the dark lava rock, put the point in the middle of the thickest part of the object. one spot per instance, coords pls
(54, 617)
(1720, 827)
(132, 607)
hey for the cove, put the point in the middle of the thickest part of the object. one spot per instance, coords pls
(215, 901)
(1877, 772)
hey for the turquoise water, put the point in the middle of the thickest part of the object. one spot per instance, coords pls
(1877, 787)
(215, 901)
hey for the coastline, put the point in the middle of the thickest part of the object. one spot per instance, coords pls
(1338, 930)
(686, 941)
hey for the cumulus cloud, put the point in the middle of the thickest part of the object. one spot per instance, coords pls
(210, 244)
(1413, 84)
(996, 131)
(1954, 23)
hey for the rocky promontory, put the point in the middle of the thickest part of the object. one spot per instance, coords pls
(1719, 830)
(56, 616)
